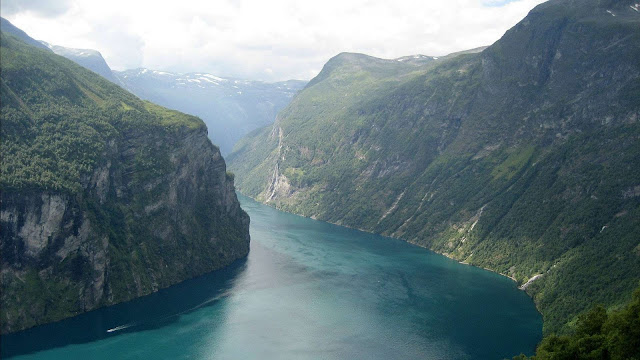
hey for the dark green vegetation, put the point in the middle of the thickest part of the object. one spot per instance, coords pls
(598, 335)
(230, 108)
(523, 158)
(104, 197)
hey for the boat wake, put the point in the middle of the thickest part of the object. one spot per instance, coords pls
(213, 299)
(121, 327)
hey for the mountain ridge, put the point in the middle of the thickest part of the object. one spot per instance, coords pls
(88, 58)
(7, 27)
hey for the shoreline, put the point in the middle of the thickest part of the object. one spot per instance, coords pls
(466, 263)
(520, 287)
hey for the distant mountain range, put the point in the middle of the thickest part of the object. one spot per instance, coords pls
(230, 108)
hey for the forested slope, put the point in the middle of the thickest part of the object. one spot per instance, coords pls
(104, 197)
(523, 158)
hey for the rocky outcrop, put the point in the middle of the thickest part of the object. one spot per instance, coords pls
(131, 231)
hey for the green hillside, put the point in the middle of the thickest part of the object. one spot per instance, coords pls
(105, 197)
(598, 334)
(57, 118)
(522, 158)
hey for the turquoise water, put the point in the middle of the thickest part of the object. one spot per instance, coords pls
(307, 290)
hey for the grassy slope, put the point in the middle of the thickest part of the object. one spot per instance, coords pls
(513, 159)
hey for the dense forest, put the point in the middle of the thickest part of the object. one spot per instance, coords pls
(598, 334)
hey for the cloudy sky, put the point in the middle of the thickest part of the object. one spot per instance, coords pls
(262, 39)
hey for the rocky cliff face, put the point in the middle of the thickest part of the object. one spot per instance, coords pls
(64, 254)
(145, 202)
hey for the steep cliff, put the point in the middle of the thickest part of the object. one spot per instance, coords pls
(104, 197)
(522, 158)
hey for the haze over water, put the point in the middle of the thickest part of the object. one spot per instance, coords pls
(307, 290)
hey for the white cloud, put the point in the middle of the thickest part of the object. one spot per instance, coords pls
(257, 39)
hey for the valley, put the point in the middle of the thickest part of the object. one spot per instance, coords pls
(231, 108)
(307, 289)
(476, 205)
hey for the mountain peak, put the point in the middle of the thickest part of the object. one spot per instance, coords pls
(88, 58)
(74, 52)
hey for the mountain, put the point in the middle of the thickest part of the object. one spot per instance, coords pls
(231, 108)
(105, 197)
(90, 59)
(522, 158)
(8, 28)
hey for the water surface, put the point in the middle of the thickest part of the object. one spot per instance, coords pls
(307, 290)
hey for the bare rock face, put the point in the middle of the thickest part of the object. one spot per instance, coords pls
(135, 228)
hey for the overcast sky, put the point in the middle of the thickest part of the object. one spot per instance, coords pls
(262, 39)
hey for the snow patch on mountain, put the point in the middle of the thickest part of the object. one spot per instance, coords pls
(213, 77)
